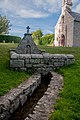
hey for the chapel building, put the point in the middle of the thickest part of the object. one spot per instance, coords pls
(67, 29)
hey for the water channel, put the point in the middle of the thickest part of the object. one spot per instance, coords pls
(23, 111)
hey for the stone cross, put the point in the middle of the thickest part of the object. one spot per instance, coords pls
(28, 29)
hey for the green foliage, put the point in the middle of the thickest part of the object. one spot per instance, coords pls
(68, 105)
(9, 39)
(4, 25)
(39, 39)
(47, 39)
(9, 78)
(37, 35)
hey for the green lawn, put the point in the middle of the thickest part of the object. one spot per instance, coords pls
(9, 78)
(68, 106)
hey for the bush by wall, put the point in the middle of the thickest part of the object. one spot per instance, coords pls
(47, 39)
(9, 39)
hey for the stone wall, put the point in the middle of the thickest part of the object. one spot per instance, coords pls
(69, 23)
(18, 96)
(40, 62)
(76, 33)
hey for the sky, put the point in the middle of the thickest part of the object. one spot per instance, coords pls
(38, 14)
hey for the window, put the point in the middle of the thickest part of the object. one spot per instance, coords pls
(63, 19)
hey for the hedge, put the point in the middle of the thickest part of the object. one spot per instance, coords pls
(9, 39)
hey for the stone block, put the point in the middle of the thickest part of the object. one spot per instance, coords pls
(24, 56)
(70, 56)
(42, 61)
(14, 56)
(58, 56)
(28, 65)
(46, 56)
(36, 56)
(23, 99)
(38, 65)
(27, 60)
(46, 60)
(23, 69)
(14, 105)
(16, 63)
(33, 61)
(55, 59)
(26, 91)
(4, 104)
(41, 70)
(57, 64)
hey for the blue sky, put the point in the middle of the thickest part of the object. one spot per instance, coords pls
(38, 14)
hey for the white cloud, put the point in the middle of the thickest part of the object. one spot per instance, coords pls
(34, 8)
(76, 6)
(31, 13)
(29, 9)
(50, 6)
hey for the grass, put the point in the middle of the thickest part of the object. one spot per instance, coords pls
(9, 78)
(68, 105)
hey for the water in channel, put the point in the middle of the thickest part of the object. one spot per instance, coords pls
(23, 111)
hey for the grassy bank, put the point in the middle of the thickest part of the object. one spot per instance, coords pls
(68, 106)
(8, 78)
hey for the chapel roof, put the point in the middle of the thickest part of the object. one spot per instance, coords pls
(75, 15)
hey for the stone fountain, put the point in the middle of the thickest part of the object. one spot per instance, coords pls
(27, 56)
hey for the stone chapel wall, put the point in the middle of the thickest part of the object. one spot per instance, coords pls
(69, 31)
(76, 34)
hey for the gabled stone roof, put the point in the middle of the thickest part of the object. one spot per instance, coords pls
(27, 46)
(76, 16)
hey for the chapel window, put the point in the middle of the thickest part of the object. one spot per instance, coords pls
(63, 19)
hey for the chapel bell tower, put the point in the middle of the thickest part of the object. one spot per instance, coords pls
(66, 5)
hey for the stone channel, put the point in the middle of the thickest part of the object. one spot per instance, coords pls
(43, 106)
(22, 112)
(46, 104)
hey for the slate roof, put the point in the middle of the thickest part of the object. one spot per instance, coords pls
(76, 16)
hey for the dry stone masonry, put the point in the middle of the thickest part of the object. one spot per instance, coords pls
(27, 45)
(39, 62)
(67, 29)
(18, 96)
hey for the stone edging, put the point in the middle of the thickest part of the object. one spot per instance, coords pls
(45, 105)
(18, 96)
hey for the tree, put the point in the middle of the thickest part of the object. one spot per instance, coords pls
(4, 25)
(47, 39)
(37, 35)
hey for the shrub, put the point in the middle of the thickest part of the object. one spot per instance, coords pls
(9, 39)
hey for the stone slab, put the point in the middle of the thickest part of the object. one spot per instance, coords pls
(16, 63)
